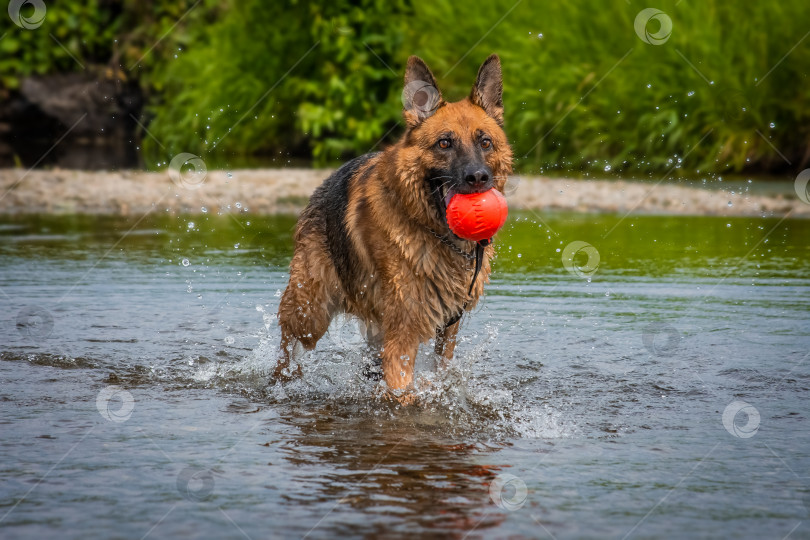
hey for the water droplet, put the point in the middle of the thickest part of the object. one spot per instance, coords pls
(729, 203)
(190, 225)
(728, 225)
(185, 262)
(238, 205)
(204, 210)
(772, 125)
(401, 373)
(299, 285)
(607, 168)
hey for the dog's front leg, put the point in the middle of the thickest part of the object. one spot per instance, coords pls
(398, 359)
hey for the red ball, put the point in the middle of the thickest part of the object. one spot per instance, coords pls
(477, 216)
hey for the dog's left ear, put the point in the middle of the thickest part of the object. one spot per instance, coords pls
(487, 92)
(420, 96)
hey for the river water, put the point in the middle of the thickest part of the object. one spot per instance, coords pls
(661, 392)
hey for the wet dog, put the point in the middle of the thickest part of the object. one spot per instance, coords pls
(374, 241)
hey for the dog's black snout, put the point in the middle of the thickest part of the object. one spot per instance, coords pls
(477, 177)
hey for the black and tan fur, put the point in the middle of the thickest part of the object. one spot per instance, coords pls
(368, 242)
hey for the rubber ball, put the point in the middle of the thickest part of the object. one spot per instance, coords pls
(477, 216)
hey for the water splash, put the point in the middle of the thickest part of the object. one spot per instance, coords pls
(456, 399)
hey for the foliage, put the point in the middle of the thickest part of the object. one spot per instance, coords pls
(119, 38)
(278, 77)
(575, 101)
(727, 91)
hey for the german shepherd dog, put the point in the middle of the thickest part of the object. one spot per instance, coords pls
(374, 242)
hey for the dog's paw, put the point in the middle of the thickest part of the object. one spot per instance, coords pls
(406, 399)
(286, 374)
(401, 397)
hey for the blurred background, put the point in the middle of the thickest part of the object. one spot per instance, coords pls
(125, 84)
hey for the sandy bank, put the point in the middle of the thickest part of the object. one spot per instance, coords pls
(272, 191)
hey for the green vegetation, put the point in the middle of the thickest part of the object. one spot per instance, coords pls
(727, 91)
(295, 78)
(106, 36)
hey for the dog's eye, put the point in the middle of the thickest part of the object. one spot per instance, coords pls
(444, 144)
(486, 144)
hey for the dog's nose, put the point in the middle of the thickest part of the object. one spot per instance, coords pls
(477, 177)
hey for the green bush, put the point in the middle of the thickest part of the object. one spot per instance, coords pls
(573, 103)
(106, 36)
(84, 30)
(280, 78)
(323, 80)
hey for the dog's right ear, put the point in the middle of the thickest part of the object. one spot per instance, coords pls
(487, 92)
(420, 97)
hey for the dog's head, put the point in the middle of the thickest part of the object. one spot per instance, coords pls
(455, 147)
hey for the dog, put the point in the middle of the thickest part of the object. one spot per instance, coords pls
(373, 242)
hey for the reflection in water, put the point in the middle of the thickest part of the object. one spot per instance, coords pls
(390, 465)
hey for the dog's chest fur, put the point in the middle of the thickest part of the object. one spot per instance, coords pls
(398, 267)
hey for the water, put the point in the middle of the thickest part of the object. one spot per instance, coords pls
(583, 403)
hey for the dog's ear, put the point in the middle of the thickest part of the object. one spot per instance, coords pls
(421, 96)
(487, 92)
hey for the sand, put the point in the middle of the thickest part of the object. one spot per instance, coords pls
(285, 191)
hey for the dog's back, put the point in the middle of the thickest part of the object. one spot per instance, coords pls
(325, 215)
